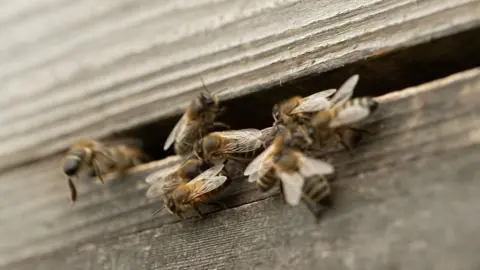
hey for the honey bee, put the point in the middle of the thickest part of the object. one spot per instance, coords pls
(197, 120)
(201, 189)
(98, 159)
(240, 145)
(333, 118)
(165, 182)
(337, 122)
(294, 109)
(281, 161)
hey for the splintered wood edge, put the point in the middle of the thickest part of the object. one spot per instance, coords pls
(429, 86)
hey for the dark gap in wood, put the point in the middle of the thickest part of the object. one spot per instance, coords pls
(380, 73)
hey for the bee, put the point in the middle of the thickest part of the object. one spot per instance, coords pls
(338, 119)
(201, 189)
(281, 161)
(294, 109)
(165, 182)
(240, 145)
(198, 119)
(333, 118)
(98, 159)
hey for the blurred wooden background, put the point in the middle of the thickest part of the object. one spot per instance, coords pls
(74, 69)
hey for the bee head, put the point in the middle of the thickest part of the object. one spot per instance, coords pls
(170, 205)
(73, 161)
(203, 103)
(176, 202)
(207, 100)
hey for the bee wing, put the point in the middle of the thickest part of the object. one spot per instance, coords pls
(207, 181)
(268, 134)
(243, 140)
(161, 174)
(292, 186)
(210, 172)
(206, 185)
(311, 166)
(345, 91)
(163, 186)
(315, 102)
(350, 115)
(178, 129)
(257, 162)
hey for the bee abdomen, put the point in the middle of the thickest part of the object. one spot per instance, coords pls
(316, 189)
(266, 182)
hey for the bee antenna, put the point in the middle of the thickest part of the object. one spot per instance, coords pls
(204, 86)
(158, 211)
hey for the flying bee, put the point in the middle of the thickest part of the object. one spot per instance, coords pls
(198, 119)
(165, 182)
(294, 109)
(201, 189)
(281, 161)
(240, 145)
(98, 159)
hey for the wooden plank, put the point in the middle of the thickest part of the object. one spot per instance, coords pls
(408, 190)
(112, 66)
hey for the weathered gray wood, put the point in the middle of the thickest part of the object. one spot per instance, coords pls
(406, 199)
(73, 69)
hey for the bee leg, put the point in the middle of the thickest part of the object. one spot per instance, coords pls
(282, 193)
(73, 190)
(197, 209)
(219, 204)
(305, 135)
(344, 143)
(97, 171)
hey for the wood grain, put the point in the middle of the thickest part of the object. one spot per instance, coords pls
(74, 69)
(406, 199)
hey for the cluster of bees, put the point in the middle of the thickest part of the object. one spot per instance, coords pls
(277, 154)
